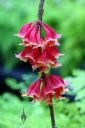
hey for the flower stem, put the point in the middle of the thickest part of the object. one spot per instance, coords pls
(40, 10)
(40, 14)
(52, 116)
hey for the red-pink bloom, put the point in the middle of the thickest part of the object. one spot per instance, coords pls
(31, 35)
(24, 30)
(40, 58)
(46, 88)
(53, 86)
(34, 90)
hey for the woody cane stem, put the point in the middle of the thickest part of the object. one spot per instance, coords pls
(40, 14)
(40, 10)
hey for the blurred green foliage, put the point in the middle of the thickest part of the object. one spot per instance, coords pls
(22, 86)
(66, 17)
(67, 113)
(77, 84)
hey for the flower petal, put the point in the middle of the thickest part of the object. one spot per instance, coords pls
(24, 30)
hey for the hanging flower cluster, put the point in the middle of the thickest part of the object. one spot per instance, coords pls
(40, 42)
(47, 87)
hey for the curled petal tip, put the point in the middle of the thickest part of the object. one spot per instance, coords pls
(66, 90)
(20, 44)
(59, 65)
(17, 56)
(15, 34)
(57, 43)
(58, 35)
(62, 98)
(62, 54)
(24, 94)
(66, 83)
(18, 35)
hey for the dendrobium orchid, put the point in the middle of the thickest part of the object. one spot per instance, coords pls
(42, 53)
(47, 87)
(40, 43)
(39, 57)
(31, 35)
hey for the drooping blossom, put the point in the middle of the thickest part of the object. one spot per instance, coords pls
(42, 53)
(31, 35)
(46, 88)
(40, 58)
(34, 90)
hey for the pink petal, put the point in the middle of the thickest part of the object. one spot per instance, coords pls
(24, 30)
(27, 36)
(49, 88)
(34, 89)
(33, 54)
(51, 31)
(33, 36)
(38, 38)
